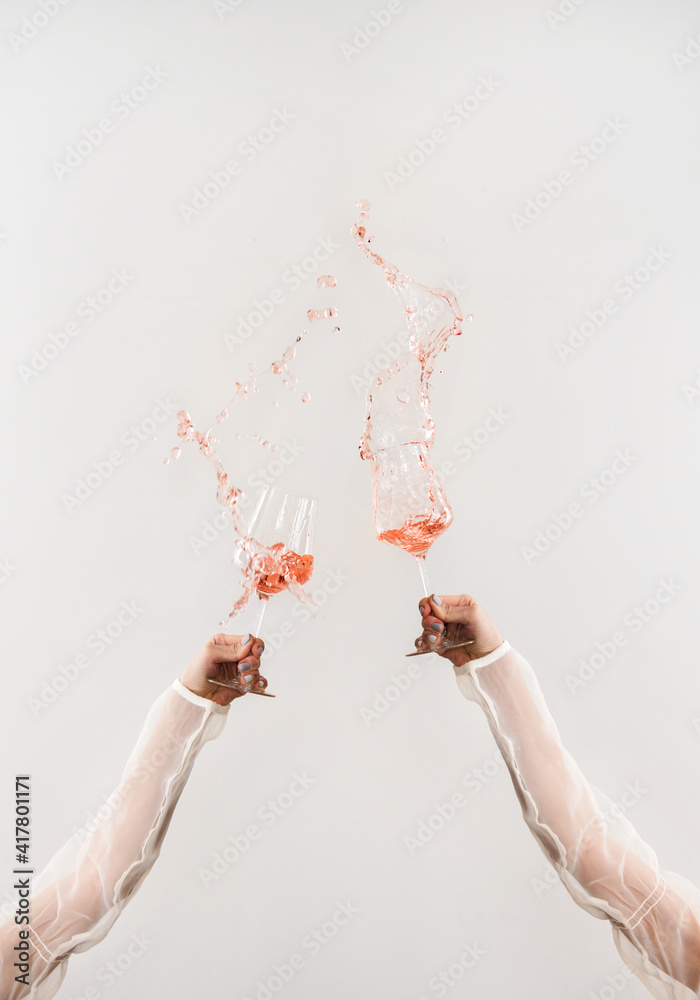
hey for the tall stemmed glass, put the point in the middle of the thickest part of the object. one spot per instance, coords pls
(275, 554)
(410, 511)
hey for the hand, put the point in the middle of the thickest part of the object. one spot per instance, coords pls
(458, 619)
(225, 658)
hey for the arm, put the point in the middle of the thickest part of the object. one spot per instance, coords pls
(606, 867)
(84, 888)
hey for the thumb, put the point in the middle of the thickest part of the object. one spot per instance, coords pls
(460, 609)
(230, 648)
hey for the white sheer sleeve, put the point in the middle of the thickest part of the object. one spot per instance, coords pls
(84, 888)
(606, 867)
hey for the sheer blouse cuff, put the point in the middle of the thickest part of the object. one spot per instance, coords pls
(649, 903)
(196, 699)
(484, 661)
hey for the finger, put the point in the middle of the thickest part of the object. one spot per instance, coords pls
(431, 639)
(464, 600)
(249, 673)
(233, 649)
(249, 667)
(460, 609)
(249, 663)
(432, 624)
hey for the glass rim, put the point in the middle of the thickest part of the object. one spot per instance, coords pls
(287, 493)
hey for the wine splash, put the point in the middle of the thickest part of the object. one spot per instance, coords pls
(410, 506)
(297, 571)
(266, 569)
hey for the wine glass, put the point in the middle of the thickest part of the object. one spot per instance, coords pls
(275, 553)
(410, 510)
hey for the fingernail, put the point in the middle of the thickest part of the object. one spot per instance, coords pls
(432, 638)
(245, 640)
(422, 609)
(261, 646)
(437, 626)
(436, 600)
(261, 684)
(247, 678)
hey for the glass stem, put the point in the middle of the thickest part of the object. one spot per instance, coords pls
(261, 613)
(427, 592)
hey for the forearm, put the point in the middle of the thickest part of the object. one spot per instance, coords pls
(608, 869)
(82, 890)
(531, 746)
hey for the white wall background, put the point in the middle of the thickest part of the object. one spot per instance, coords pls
(630, 386)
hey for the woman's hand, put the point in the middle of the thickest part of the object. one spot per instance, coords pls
(458, 619)
(225, 658)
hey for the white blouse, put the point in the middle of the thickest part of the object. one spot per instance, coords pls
(84, 888)
(606, 866)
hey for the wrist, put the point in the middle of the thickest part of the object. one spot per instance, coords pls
(485, 658)
(196, 697)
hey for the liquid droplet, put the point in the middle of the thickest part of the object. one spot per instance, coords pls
(336, 329)
(305, 397)
(433, 316)
(326, 281)
(175, 452)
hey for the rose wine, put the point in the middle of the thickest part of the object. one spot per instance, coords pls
(281, 569)
(418, 533)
